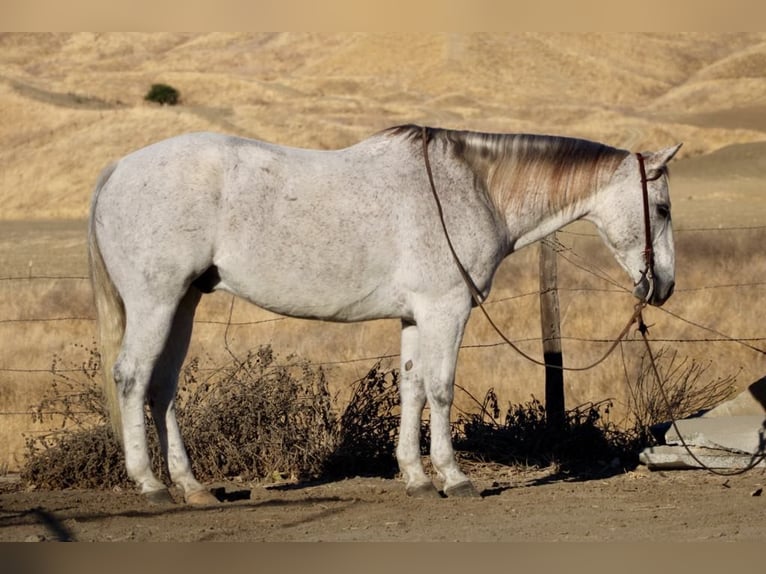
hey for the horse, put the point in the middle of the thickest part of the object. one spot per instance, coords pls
(344, 235)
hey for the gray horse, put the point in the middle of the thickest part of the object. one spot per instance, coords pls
(345, 235)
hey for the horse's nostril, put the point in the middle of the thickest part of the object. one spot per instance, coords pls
(660, 297)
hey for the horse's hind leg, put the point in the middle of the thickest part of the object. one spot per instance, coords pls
(148, 324)
(162, 390)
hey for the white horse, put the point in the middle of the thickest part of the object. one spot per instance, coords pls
(345, 235)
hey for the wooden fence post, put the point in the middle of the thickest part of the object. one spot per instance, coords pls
(551, 334)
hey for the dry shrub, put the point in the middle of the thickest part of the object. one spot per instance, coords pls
(586, 441)
(257, 418)
(85, 458)
(82, 452)
(252, 419)
(262, 419)
(686, 390)
(368, 427)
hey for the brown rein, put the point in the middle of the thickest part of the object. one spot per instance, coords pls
(649, 248)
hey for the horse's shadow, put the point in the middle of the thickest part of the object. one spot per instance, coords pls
(561, 472)
(224, 495)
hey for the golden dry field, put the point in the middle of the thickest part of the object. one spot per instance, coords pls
(71, 103)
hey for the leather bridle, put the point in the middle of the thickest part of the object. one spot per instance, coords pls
(647, 273)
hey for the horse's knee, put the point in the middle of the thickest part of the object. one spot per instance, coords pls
(128, 375)
(131, 379)
(124, 379)
(440, 395)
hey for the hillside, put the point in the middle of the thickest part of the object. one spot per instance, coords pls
(73, 102)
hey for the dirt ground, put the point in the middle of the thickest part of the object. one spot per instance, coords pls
(517, 505)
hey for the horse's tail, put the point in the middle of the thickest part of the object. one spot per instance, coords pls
(110, 312)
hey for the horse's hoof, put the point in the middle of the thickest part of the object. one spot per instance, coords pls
(201, 498)
(462, 490)
(427, 490)
(159, 497)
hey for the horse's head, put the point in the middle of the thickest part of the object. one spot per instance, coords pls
(640, 235)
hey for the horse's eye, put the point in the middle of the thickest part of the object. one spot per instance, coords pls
(663, 210)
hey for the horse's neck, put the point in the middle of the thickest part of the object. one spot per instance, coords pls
(537, 184)
(536, 223)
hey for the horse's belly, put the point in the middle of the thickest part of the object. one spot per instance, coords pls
(315, 297)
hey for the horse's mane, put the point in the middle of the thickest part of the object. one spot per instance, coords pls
(524, 170)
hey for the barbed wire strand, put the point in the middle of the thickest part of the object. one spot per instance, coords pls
(568, 254)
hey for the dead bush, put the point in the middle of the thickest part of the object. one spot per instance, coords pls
(687, 389)
(260, 418)
(81, 452)
(586, 441)
(257, 418)
(253, 419)
(368, 427)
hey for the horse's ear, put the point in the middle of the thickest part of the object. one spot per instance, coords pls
(659, 159)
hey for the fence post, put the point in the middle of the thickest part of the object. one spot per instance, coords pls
(551, 333)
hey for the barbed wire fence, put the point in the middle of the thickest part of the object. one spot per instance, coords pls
(754, 345)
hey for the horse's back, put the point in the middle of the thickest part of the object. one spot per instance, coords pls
(303, 232)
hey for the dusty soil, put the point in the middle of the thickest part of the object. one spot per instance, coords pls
(516, 505)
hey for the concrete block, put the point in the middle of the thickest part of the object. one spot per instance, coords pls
(743, 434)
(726, 437)
(666, 457)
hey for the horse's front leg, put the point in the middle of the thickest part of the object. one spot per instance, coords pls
(440, 394)
(439, 346)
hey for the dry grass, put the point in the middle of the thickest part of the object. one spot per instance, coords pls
(72, 103)
(329, 90)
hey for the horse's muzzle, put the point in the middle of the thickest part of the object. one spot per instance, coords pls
(661, 292)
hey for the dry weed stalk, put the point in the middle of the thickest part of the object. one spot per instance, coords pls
(687, 391)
